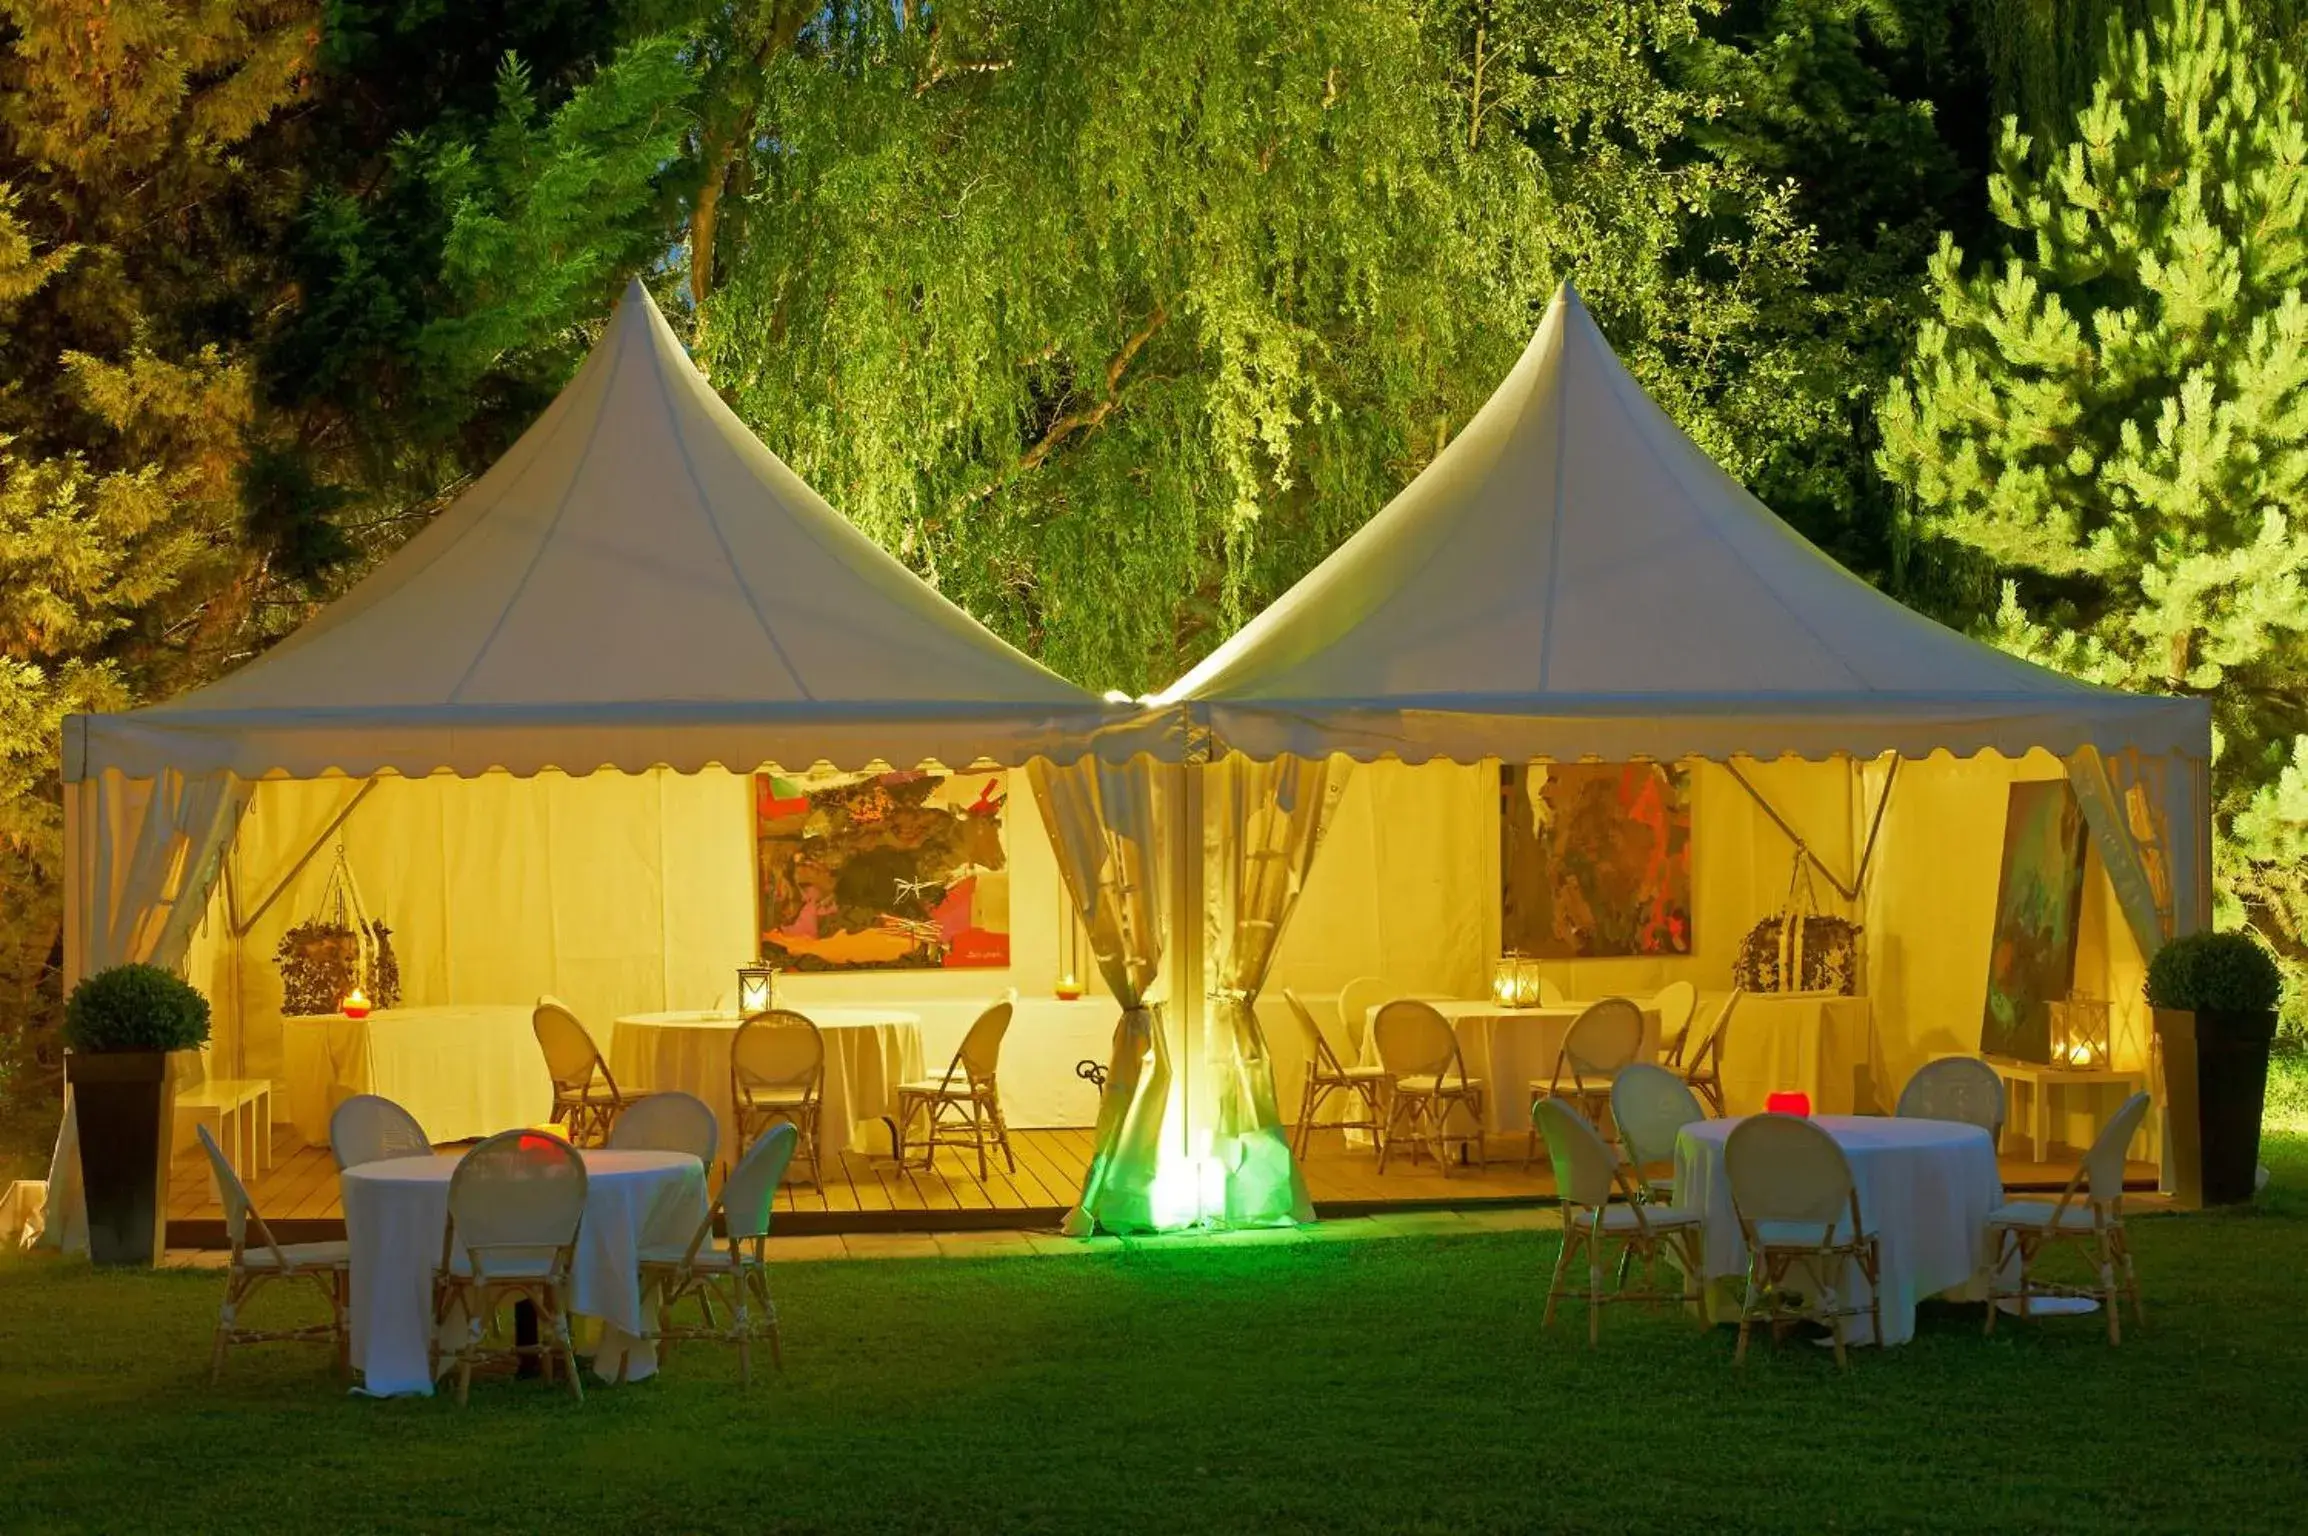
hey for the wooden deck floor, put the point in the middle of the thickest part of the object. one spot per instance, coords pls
(298, 1194)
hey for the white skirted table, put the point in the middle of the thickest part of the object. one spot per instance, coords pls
(464, 1070)
(1511, 1048)
(1819, 1043)
(868, 1052)
(1925, 1188)
(396, 1212)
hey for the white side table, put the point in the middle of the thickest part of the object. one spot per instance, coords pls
(2042, 1078)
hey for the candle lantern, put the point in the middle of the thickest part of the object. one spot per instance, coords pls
(1069, 983)
(356, 1004)
(1787, 1103)
(2081, 1033)
(1506, 978)
(756, 988)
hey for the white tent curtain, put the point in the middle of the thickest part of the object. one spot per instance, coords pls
(2143, 810)
(1104, 827)
(143, 855)
(1263, 823)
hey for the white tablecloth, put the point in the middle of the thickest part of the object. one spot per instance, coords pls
(1511, 1048)
(1814, 1042)
(868, 1052)
(396, 1211)
(464, 1070)
(1925, 1188)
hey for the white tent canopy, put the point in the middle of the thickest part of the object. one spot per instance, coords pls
(637, 583)
(1573, 577)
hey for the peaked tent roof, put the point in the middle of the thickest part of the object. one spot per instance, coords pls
(638, 581)
(1574, 577)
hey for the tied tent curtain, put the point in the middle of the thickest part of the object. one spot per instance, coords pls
(1103, 827)
(144, 855)
(149, 859)
(2143, 811)
(1263, 823)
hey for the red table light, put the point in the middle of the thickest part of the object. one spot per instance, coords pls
(356, 1006)
(1788, 1103)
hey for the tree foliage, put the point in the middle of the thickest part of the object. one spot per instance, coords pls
(1113, 320)
(2117, 413)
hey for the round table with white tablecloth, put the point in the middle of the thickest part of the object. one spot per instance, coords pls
(397, 1211)
(1511, 1048)
(1925, 1189)
(868, 1052)
(465, 1070)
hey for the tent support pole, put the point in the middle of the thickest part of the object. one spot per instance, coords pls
(1848, 892)
(305, 858)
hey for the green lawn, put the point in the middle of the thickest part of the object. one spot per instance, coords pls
(1312, 1385)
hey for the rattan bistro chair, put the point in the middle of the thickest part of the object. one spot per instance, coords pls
(585, 1096)
(738, 1274)
(2089, 1215)
(1358, 1005)
(1701, 1061)
(326, 1265)
(515, 1203)
(368, 1128)
(1327, 1075)
(1650, 1106)
(1959, 1088)
(1606, 1037)
(964, 1107)
(777, 1072)
(1798, 1209)
(1426, 1081)
(1677, 1005)
(669, 1122)
(1586, 1174)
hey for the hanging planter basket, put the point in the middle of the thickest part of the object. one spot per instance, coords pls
(1800, 949)
(325, 957)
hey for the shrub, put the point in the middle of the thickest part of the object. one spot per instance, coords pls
(2215, 973)
(135, 1008)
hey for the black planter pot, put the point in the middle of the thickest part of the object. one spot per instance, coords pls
(2231, 1091)
(123, 1100)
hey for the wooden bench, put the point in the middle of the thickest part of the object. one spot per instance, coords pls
(242, 1110)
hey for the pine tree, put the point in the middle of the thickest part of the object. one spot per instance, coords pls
(130, 226)
(2117, 412)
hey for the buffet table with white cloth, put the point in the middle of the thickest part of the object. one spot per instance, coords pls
(1925, 1189)
(464, 1070)
(1819, 1043)
(397, 1211)
(868, 1053)
(1509, 1049)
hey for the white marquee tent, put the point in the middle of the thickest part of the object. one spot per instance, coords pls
(1573, 578)
(638, 586)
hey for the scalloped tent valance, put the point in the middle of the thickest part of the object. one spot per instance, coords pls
(1574, 577)
(638, 582)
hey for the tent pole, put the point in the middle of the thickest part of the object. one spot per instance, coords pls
(306, 857)
(1187, 890)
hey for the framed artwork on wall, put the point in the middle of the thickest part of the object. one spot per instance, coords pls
(2039, 909)
(1594, 860)
(881, 871)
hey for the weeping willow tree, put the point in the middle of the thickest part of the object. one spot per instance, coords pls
(1112, 320)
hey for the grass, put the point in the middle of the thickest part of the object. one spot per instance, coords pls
(1312, 1385)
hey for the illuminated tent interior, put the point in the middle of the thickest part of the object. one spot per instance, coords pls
(532, 733)
(1573, 581)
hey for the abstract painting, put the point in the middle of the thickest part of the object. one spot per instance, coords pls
(881, 871)
(2038, 908)
(1594, 859)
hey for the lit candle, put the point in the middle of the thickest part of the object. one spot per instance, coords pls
(1788, 1103)
(1068, 988)
(356, 1004)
